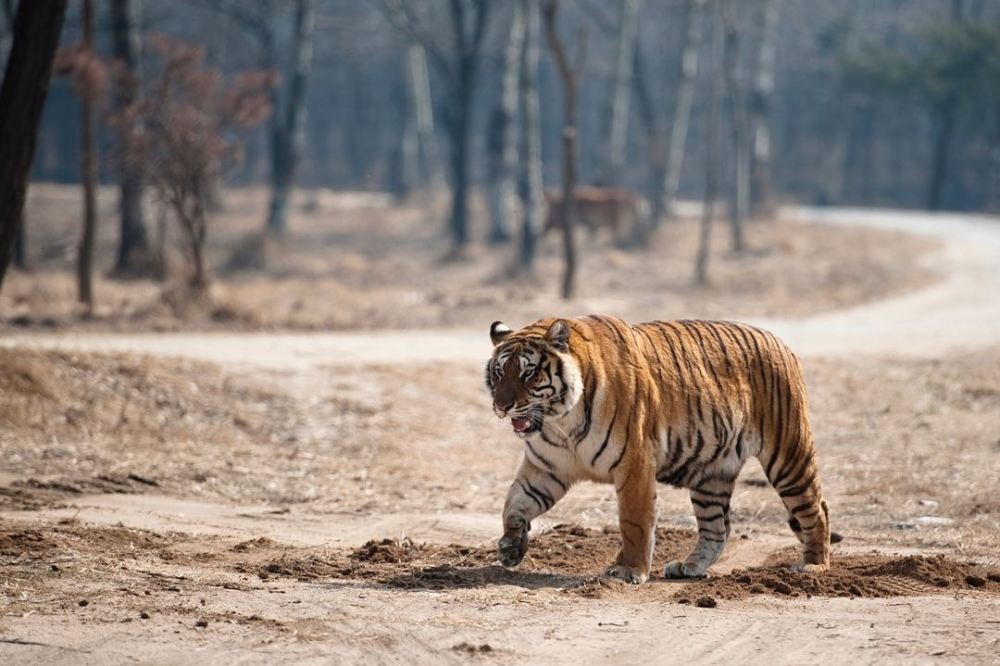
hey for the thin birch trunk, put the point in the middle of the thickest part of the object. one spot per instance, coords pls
(568, 209)
(531, 139)
(419, 79)
(739, 196)
(711, 153)
(668, 173)
(760, 109)
(618, 112)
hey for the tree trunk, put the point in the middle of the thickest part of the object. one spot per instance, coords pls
(468, 49)
(459, 161)
(945, 117)
(21, 248)
(22, 98)
(568, 209)
(503, 136)
(711, 153)
(88, 170)
(760, 108)
(739, 199)
(424, 112)
(409, 145)
(290, 136)
(133, 244)
(839, 114)
(945, 121)
(618, 111)
(531, 139)
(667, 173)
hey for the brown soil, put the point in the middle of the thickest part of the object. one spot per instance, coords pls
(357, 513)
(351, 263)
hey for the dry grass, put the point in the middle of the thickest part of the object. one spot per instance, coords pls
(359, 263)
(79, 422)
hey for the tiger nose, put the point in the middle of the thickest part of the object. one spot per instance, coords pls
(501, 407)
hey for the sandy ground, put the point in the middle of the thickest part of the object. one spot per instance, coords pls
(335, 497)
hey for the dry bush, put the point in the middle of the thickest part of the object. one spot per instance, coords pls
(188, 131)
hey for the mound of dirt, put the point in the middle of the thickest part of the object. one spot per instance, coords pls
(72, 541)
(872, 576)
(571, 557)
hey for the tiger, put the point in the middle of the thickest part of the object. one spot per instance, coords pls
(683, 403)
(613, 208)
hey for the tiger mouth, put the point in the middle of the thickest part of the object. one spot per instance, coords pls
(524, 425)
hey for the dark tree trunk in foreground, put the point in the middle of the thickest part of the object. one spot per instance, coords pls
(290, 135)
(711, 153)
(22, 97)
(21, 248)
(568, 209)
(531, 140)
(133, 244)
(88, 170)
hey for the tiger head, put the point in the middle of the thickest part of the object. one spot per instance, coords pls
(532, 374)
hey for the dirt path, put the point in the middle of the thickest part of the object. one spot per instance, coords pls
(962, 312)
(344, 621)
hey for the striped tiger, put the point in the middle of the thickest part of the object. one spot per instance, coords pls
(684, 403)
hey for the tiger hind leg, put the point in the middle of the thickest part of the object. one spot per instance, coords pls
(711, 508)
(808, 515)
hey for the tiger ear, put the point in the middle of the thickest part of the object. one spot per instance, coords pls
(498, 332)
(558, 335)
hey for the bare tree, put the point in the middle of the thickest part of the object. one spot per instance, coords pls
(191, 121)
(570, 77)
(712, 119)
(670, 156)
(289, 134)
(739, 198)
(22, 97)
(618, 109)
(760, 106)
(503, 135)
(459, 66)
(531, 139)
(133, 245)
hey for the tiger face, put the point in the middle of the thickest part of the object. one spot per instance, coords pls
(532, 376)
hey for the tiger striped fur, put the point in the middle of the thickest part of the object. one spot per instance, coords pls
(684, 403)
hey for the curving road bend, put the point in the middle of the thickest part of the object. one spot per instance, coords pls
(959, 313)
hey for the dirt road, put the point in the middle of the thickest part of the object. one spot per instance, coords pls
(344, 620)
(962, 312)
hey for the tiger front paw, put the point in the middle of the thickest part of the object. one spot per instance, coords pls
(627, 574)
(680, 569)
(808, 567)
(512, 548)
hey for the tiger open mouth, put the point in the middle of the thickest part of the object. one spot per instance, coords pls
(524, 425)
